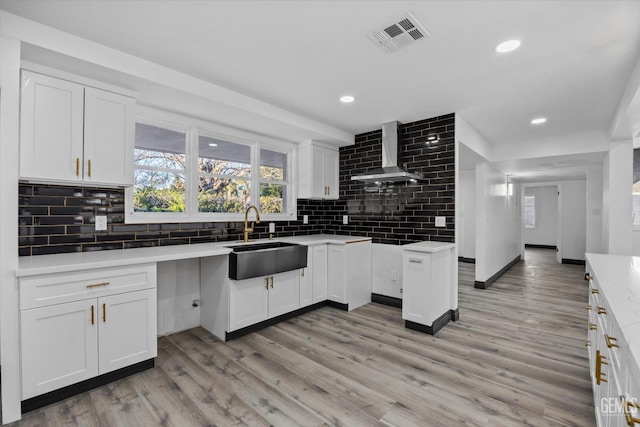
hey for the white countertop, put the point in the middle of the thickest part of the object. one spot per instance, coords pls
(428, 246)
(619, 280)
(60, 263)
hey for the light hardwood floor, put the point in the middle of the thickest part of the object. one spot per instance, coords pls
(516, 357)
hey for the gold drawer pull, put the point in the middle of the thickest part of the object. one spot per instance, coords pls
(77, 166)
(417, 261)
(266, 283)
(602, 310)
(595, 291)
(271, 282)
(593, 327)
(97, 285)
(588, 307)
(611, 341)
(587, 276)
(587, 343)
(626, 406)
(600, 360)
(92, 315)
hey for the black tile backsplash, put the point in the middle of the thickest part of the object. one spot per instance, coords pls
(59, 219)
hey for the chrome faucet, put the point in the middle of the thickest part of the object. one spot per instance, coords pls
(248, 230)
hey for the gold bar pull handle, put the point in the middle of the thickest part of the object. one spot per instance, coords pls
(266, 283)
(104, 313)
(600, 360)
(593, 327)
(92, 315)
(588, 307)
(77, 166)
(271, 282)
(417, 261)
(601, 310)
(595, 291)
(587, 276)
(89, 167)
(626, 406)
(302, 272)
(587, 343)
(611, 341)
(97, 285)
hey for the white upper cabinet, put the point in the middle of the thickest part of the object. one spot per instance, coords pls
(73, 133)
(318, 171)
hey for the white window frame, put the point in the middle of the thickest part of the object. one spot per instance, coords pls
(525, 212)
(193, 128)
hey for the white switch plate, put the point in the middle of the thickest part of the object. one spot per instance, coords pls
(345, 219)
(101, 222)
(305, 219)
(272, 227)
(440, 221)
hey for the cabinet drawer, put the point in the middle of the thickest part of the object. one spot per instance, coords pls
(40, 291)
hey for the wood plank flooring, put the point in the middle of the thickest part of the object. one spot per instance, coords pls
(516, 357)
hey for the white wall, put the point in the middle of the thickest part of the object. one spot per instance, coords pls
(467, 215)
(178, 286)
(594, 211)
(497, 222)
(385, 261)
(617, 198)
(546, 222)
(574, 219)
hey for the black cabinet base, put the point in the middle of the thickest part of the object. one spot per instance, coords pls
(438, 324)
(455, 315)
(81, 387)
(385, 300)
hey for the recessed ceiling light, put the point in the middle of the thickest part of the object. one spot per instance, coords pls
(538, 121)
(508, 46)
(213, 144)
(347, 99)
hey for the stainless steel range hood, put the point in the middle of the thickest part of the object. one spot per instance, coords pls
(390, 170)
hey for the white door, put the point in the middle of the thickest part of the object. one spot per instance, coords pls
(306, 283)
(284, 293)
(336, 278)
(59, 346)
(331, 164)
(51, 126)
(128, 329)
(109, 133)
(319, 272)
(248, 302)
(416, 283)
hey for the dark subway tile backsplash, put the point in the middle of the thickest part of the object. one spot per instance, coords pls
(60, 219)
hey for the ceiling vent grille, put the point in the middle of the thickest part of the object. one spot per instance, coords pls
(404, 31)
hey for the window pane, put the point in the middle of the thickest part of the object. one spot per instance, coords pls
(223, 195)
(272, 198)
(273, 165)
(158, 191)
(216, 156)
(158, 147)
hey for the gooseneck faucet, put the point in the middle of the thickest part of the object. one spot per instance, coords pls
(248, 230)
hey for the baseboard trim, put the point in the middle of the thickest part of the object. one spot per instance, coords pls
(492, 279)
(265, 323)
(530, 245)
(385, 300)
(467, 260)
(573, 261)
(338, 305)
(455, 315)
(438, 324)
(84, 386)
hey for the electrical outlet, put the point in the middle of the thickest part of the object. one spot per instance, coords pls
(101, 222)
(272, 227)
(440, 221)
(394, 275)
(345, 219)
(305, 219)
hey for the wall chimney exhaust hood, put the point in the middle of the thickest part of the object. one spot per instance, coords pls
(390, 170)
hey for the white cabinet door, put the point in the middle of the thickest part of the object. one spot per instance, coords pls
(109, 129)
(319, 271)
(284, 293)
(318, 186)
(127, 329)
(51, 128)
(59, 346)
(336, 274)
(330, 172)
(416, 284)
(248, 302)
(306, 283)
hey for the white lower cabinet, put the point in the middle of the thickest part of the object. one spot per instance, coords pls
(349, 273)
(319, 270)
(67, 342)
(306, 281)
(261, 298)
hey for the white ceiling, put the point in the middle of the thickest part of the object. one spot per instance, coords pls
(574, 63)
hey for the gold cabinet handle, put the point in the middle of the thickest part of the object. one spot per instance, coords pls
(593, 327)
(601, 310)
(97, 285)
(587, 276)
(271, 282)
(92, 315)
(611, 341)
(77, 166)
(587, 343)
(595, 291)
(417, 261)
(600, 360)
(588, 307)
(104, 313)
(266, 283)
(626, 406)
(302, 272)
(89, 167)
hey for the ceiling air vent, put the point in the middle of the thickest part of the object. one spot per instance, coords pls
(403, 32)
